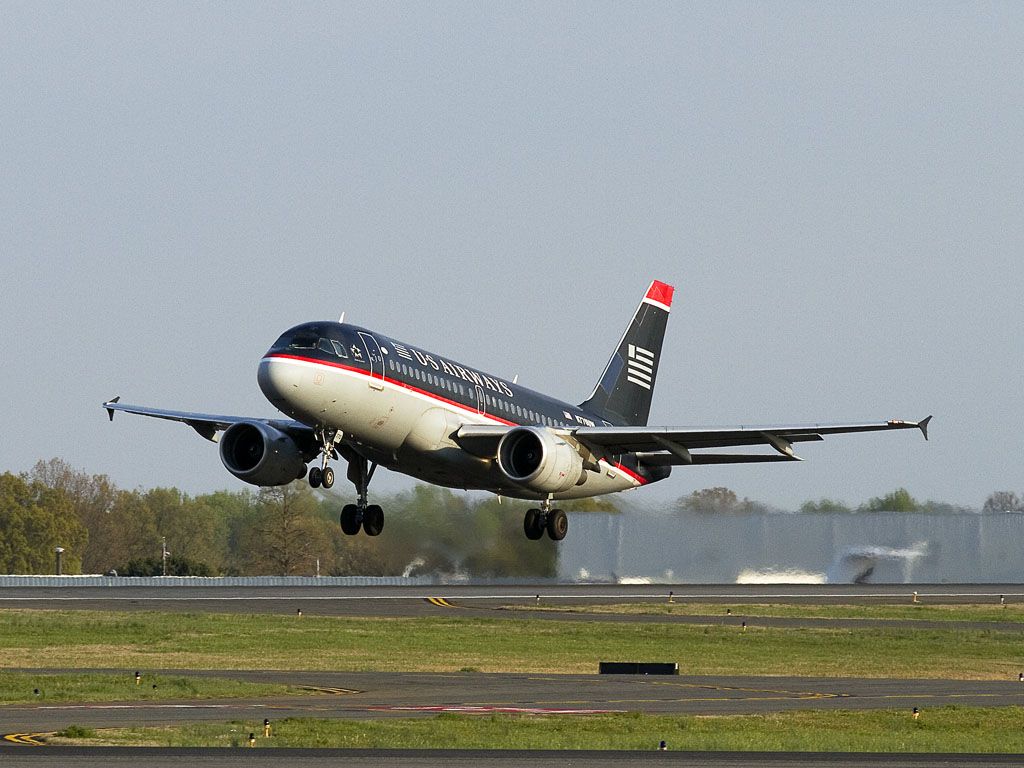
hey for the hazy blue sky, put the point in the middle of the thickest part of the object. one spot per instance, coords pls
(835, 189)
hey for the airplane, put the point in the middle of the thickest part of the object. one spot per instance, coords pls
(356, 394)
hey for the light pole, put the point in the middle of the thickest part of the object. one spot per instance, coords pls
(59, 552)
(164, 553)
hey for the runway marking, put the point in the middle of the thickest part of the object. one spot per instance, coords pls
(28, 739)
(778, 692)
(488, 710)
(440, 602)
(332, 691)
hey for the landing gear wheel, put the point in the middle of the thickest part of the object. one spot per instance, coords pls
(558, 525)
(533, 524)
(350, 522)
(327, 477)
(316, 477)
(373, 520)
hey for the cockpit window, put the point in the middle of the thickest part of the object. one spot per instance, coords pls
(325, 346)
(303, 341)
(339, 349)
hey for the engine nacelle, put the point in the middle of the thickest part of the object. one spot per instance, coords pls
(259, 454)
(538, 459)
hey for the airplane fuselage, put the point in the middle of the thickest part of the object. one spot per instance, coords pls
(400, 405)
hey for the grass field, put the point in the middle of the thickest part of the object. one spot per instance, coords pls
(945, 729)
(457, 642)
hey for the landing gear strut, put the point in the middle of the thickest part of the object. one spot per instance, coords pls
(537, 521)
(324, 475)
(369, 517)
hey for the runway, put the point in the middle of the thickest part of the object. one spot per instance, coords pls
(365, 695)
(521, 602)
(415, 601)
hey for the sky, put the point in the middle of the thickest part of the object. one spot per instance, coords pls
(835, 190)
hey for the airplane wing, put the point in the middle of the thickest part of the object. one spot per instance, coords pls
(673, 445)
(206, 424)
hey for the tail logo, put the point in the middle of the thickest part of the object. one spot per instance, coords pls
(640, 369)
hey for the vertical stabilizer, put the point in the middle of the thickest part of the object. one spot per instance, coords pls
(623, 395)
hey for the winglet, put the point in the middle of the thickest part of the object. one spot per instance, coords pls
(923, 426)
(110, 411)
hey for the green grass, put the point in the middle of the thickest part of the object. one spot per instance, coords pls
(944, 729)
(21, 687)
(887, 612)
(459, 640)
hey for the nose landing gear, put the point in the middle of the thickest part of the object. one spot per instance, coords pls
(537, 521)
(324, 475)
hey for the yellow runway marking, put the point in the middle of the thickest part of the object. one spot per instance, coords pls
(28, 739)
(440, 602)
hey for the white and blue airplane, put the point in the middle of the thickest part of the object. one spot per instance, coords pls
(355, 394)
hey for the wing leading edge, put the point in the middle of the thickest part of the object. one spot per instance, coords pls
(206, 424)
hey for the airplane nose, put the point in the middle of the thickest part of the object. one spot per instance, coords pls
(278, 379)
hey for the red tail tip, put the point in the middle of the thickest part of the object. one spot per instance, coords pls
(660, 293)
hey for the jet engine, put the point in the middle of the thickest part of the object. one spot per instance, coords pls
(538, 459)
(259, 454)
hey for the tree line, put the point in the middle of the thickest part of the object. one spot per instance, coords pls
(725, 500)
(289, 530)
(292, 530)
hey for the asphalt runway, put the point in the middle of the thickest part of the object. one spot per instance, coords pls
(416, 601)
(365, 695)
(518, 602)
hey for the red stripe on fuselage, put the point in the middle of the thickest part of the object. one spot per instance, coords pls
(432, 395)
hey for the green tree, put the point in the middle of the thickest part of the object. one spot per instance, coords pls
(154, 566)
(92, 497)
(824, 505)
(190, 527)
(127, 531)
(717, 501)
(234, 515)
(35, 520)
(287, 537)
(899, 500)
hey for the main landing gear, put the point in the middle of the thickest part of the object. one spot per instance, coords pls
(369, 517)
(554, 521)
